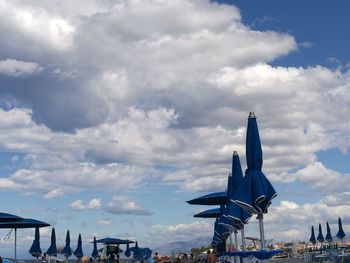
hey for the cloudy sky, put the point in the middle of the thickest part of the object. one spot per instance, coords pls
(115, 112)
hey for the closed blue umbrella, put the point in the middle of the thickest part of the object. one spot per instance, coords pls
(79, 250)
(329, 235)
(127, 251)
(35, 249)
(340, 233)
(94, 251)
(52, 250)
(255, 192)
(312, 238)
(320, 237)
(67, 251)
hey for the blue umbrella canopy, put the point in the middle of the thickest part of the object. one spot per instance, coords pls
(329, 235)
(22, 223)
(255, 191)
(127, 251)
(320, 237)
(114, 241)
(79, 250)
(4, 217)
(211, 213)
(35, 249)
(52, 250)
(67, 251)
(340, 233)
(94, 251)
(233, 212)
(312, 238)
(217, 198)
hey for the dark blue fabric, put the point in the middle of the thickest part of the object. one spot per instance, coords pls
(340, 233)
(52, 250)
(211, 213)
(312, 238)
(329, 235)
(79, 250)
(320, 237)
(220, 233)
(221, 247)
(35, 249)
(210, 199)
(233, 212)
(4, 217)
(67, 251)
(23, 223)
(116, 241)
(255, 192)
(127, 251)
(94, 253)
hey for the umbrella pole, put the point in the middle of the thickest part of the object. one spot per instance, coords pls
(244, 259)
(236, 246)
(260, 217)
(15, 245)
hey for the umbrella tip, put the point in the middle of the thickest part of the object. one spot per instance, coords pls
(234, 153)
(251, 115)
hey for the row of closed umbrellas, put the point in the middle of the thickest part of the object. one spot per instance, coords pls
(245, 195)
(16, 222)
(340, 234)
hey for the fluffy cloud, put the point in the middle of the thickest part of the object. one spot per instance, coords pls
(123, 205)
(93, 204)
(15, 68)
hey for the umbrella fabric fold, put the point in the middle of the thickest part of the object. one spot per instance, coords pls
(94, 253)
(52, 250)
(340, 233)
(329, 235)
(233, 212)
(67, 251)
(320, 237)
(79, 250)
(5, 217)
(312, 238)
(217, 198)
(211, 213)
(255, 191)
(35, 249)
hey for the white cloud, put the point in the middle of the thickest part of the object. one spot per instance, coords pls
(124, 205)
(17, 68)
(103, 222)
(93, 204)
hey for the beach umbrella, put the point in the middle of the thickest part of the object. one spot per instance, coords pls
(312, 238)
(329, 235)
(67, 251)
(320, 237)
(52, 250)
(127, 251)
(255, 192)
(35, 249)
(113, 241)
(94, 251)
(211, 213)
(217, 198)
(22, 223)
(340, 233)
(4, 217)
(79, 250)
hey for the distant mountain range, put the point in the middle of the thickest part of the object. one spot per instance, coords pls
(182, 246)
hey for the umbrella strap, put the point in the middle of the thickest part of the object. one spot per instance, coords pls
(7, 236)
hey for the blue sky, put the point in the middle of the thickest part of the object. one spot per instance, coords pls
(116, 113)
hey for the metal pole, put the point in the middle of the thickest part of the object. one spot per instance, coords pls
(236, 246)
(260, 217)
(244, 259)
(15, 245)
